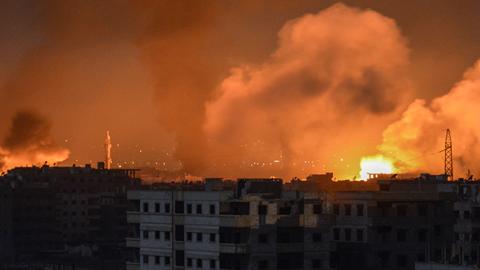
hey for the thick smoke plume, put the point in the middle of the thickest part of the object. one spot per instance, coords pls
(28, 142)
(416, 140)
(336, 78)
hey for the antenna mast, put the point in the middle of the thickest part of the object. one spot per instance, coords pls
(448, 156)
(108, 155)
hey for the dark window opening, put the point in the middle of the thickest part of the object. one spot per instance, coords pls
(145, 207)
(336, 209)
(179, 258)
(401, 235)
(317, 237)
(348, 209)
(179, 233)
(263, 238)
(213, 237)
(179, 207)
(360, 210)
(262, 210)
(401, 210)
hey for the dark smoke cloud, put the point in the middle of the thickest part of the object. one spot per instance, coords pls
(29, 141)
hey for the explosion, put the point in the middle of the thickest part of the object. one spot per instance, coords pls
(339, 72)
(416, 141)
(29, 141)
(375, 165)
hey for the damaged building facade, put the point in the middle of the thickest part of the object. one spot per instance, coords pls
(265, 224)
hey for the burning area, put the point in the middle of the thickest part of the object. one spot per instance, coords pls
(29, 142)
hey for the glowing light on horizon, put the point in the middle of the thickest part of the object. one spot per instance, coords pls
(375, 164)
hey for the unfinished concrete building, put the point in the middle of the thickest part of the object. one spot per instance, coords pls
(256, 226)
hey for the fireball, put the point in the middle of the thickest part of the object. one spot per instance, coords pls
(375, 164)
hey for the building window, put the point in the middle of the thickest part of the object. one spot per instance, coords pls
(157, 207)
(348, 234)
(179, 233)
(167, 236)
(157, 259)
(360, 235)
(316, 264)
(145, 234)
(421, 257)
(422, 235)
(317, 237)
(199, 237)
(317, 209)
(213, 237)
(157, 235)
(199, 263)
(263, 238)
(199, 209)
(145, 259)
(179, 258)
(167, 208)
(189, 262)
(213, 264)
(401, 235)
(384, 256)
(189, 208)
(401, 260)
(189, 236)
(422, 210)
(336, 234)
(145, 207)
(179, 207)
(348, 209)
(437, 230)
(336, 209)
(360, 210)
(263, 264)
(401, 210)
(212, 209)
(167, 261)
(262, 210)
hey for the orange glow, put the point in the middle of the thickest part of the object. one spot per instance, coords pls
(375, 164)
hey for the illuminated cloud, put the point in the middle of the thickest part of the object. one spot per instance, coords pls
(336, 78)
(415, 141)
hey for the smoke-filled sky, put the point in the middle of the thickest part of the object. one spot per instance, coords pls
(240, 88)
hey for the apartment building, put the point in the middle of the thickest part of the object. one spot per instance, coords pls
(67, 215)
(255, 226)
(391, 229)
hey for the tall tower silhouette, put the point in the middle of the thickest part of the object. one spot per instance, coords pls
(108, 154)
(448, 156)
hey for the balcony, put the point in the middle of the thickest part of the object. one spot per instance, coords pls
(234, 248)
(133, 266)
(133, 217)
(133, 242)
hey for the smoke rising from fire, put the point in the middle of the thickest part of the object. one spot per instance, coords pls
(149, 71)
(336, 78)
(28, 142)
(415, 141)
